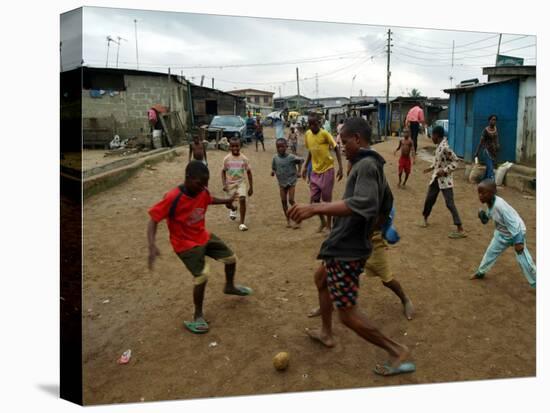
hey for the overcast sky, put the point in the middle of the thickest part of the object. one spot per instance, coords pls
(267, 52)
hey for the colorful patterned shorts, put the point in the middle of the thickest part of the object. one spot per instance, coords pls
(343, 281)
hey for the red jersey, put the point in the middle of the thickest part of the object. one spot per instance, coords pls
(186, 228)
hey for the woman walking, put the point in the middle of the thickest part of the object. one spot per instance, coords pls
(489, 146)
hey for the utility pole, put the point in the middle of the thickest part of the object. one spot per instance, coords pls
(212, 83)
(297, 82)
(61, 55)
(452, 64)
(388, 74)
(316, 86)
(202, 80)
(498, 49)
(137, 56)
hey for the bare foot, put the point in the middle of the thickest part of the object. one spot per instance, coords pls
(316, 312)
(408, 308)
(317, 335)
(288, 225)
(321, 228)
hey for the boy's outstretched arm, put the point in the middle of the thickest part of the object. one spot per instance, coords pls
(225, 201)
(300, 212)
(190, 151)
(340, 172)
(153, 250)
(304, 168)
(250, 190)
(205, 146)
(398, 147)
(224, 180)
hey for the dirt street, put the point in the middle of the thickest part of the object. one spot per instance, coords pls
(463, 330)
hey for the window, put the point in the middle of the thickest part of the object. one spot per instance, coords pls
(266, 100)
(211, 107)
(256, 99)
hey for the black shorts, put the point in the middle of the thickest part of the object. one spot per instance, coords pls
(194, 258)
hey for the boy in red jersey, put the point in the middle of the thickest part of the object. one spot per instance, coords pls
(184, 209)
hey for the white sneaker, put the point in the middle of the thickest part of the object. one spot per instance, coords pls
(243, 227)
(233, 215)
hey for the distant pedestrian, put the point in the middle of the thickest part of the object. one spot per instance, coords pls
(489, 146)
(259, 134)
(415, 118)
(197, 150)
(444, 163)
(406, 158)
(293, 140)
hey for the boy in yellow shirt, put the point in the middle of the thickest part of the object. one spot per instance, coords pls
(319, 143)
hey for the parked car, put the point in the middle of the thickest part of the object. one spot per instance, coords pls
(232, 125)
(439, 122)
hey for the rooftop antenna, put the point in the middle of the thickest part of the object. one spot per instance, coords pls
(109, 40)
(118, 47)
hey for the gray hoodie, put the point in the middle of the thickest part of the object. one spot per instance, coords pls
(369, 196)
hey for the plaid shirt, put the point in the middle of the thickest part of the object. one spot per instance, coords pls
(445, 159)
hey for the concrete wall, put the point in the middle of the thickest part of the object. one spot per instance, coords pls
(126, 112)
(527, 88)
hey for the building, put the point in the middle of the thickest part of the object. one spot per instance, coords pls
(291, 102)
(331, 102)
(116, 101)
(526, 142)
(259, 102)
(510, 93)
(208, 102)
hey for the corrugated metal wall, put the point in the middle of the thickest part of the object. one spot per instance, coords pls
(468, 113)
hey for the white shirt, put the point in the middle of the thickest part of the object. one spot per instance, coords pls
(507, 220)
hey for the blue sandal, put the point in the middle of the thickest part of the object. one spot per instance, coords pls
(387, 370)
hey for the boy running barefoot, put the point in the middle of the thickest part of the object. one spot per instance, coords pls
(367, 198)
(287, 169)
(235, 166)
(509, 231)
(197, 150)
(407, 156)
(184, 209)
(259, 133)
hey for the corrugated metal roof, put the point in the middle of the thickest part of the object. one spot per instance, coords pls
(463, 88)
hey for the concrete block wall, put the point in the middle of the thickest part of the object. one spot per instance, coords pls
(129, 107)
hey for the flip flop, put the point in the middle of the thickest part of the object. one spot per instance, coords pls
(387, 370)
(243, 291)
(457, 235)
(199, 326)
(479, 276)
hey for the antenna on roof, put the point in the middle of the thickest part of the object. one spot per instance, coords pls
(109, 40)
(118, 47)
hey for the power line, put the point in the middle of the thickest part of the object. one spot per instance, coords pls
(458, 51)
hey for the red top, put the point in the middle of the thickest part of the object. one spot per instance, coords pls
(415, 114)
(187, 228)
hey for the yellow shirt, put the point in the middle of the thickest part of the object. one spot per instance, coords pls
(319, 145)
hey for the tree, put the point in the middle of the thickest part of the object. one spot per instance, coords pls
(414, 93)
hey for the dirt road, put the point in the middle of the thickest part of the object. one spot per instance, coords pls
(463, 330)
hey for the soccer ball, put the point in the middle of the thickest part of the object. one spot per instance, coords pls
(280, 361)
